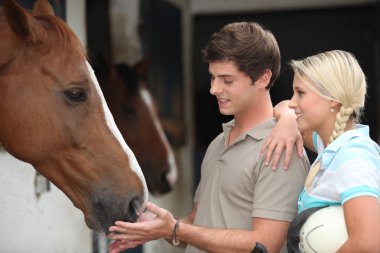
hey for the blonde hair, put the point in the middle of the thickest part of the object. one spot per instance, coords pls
(335, 75)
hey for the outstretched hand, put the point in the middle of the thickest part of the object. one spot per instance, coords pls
(152, 225)
(120, 245)
(285, 135)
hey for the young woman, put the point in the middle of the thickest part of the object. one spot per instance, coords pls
(329, 95)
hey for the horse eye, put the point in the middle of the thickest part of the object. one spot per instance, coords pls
(76, 95)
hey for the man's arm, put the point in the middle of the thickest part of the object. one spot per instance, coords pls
(270, 233)
(123, 241)
(189, 219)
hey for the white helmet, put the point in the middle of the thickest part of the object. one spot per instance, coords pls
(324, 231)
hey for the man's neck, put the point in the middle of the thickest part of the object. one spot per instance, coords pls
(260, 112)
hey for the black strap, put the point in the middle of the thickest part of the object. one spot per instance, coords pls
(295, 229)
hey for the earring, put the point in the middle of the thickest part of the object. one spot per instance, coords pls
(332, 109)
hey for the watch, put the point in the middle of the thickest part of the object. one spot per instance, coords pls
(259, 248)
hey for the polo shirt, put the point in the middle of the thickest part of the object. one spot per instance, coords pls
(350, 167)
(236, 185)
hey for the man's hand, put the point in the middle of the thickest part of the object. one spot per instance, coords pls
(155, 224)
(121, 245)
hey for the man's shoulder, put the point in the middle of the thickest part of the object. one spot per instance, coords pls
(263, 130)
(299, 166)
(216, 142)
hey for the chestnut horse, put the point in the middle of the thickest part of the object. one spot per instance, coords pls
(53, 115)
(132, 107)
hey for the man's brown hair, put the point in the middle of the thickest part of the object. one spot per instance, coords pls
(252, 48)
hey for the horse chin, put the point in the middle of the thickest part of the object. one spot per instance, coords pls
(103, 223)
(95, 225)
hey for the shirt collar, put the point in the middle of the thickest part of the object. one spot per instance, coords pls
(258, 132)
(360, 130)
(331, 150)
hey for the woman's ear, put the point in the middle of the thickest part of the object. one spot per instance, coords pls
(264, 79)
(335, 104)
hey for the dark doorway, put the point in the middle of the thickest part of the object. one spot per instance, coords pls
(300, 33)
(59, 6)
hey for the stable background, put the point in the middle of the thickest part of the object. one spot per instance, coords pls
(172, 33)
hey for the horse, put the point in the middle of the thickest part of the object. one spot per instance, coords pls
(53, 115)
(132, 107)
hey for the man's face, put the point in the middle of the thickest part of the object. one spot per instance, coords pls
(232, 88)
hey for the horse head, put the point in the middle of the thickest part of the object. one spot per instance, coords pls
(133, 108)
(53, 115)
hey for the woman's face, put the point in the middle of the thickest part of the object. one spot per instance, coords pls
(313, 111)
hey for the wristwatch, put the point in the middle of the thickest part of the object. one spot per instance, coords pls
(259, 248)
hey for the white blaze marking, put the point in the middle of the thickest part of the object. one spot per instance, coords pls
(116, 132)
(172, 175)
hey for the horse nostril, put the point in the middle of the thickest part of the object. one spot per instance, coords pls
(134, 209)
(164, 178)
(165, 184)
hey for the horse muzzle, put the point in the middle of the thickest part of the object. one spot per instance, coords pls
(106, 210)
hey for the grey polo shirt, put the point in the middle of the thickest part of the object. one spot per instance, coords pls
(236, 185)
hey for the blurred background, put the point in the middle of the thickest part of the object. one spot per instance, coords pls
(171, 35)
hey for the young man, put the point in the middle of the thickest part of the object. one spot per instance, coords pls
(240, 205)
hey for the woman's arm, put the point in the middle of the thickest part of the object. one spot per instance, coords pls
(362, 216)
(285, 135)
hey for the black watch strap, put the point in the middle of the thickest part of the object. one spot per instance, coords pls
(259, 248)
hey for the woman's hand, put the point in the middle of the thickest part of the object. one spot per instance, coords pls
(285, 135)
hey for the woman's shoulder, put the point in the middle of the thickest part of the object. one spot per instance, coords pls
(363, 148)
(364, 142)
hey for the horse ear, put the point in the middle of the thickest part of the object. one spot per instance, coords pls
(43, 7)
(102, 65)
(21, 22)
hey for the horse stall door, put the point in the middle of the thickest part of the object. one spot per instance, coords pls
(46, 222)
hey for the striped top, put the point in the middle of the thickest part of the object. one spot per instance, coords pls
(350, 168)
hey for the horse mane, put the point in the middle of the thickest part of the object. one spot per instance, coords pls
(66, 37)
